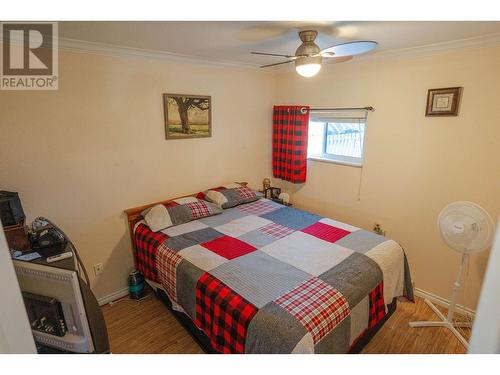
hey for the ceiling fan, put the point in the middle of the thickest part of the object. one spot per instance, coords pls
(308, 57)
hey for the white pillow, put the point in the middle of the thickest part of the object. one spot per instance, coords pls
(158, 218)
(216, 197)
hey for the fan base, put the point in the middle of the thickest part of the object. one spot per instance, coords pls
(452, 326)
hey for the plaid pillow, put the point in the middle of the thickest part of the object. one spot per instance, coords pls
(165, 215)
(227, 197)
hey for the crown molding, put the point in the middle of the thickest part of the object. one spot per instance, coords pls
(81, 46)
(483, 41)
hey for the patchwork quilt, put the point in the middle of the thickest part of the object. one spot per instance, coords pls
(265, 278)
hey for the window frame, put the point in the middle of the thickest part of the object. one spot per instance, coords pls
(335, 158)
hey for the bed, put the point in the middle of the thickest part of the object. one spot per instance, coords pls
(265, 278)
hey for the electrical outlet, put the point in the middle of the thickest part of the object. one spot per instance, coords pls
(98, 268)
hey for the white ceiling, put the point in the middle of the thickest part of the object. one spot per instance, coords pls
(233, 41)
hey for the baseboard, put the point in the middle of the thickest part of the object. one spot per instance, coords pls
(112, 296)
(443, 302)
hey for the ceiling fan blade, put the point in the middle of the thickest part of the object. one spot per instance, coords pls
(271, 54)
(351, 48)
(326, 54)
(335, 59)
(280, 63)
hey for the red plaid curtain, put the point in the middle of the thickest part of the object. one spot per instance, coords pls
(290, 143)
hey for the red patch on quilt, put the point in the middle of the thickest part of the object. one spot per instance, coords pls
(228, 247)
(146, 245)
(377, 305)
(198, 209)
(318, 306)
(326, 232)
(222, 315)
(245, 192)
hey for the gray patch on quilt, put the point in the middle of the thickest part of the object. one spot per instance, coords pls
(187, 278)
(408, 285)
(257, 238)
(203, 235)
(182, 241)
(225, 217)
(292, 218)
(213, 208)
(359, 319)
(361, 241)
(178, 243)
(337, 340)
(233, 198)
(180, 214)
(354, 277)
(273, 330)
(258, 277)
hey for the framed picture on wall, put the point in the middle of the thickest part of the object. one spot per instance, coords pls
(443, 102)
(187, 116)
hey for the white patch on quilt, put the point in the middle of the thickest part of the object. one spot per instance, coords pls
(191, 226)
(305, 345)
(239, 227)
(339, 224)
(389, 256)
(158, 218)
(216, 197)
(185, 200)
(201, 257)
(307, 253)
(231, 185)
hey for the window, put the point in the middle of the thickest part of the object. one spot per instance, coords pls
(337, 138)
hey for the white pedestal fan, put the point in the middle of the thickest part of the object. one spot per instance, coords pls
(465, 227)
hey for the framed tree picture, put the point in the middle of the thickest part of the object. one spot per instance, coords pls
(443, 102)
(187, 116)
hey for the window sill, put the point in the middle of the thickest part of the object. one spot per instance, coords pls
(333, 161)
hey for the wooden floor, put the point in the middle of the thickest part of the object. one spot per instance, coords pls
(149, 327)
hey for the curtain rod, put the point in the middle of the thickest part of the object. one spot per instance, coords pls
(304, 110)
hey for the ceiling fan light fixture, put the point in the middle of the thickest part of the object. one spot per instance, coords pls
(308, 66)
(308, 56)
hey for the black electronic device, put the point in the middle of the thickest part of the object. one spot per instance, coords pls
(45, 314)
(46, 237)
(11, 210)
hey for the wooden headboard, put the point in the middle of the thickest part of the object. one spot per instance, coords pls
(134, 214)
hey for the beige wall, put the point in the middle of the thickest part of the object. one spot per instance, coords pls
(414, 164)
(82, 154)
